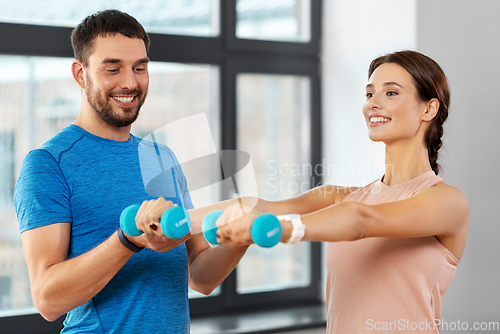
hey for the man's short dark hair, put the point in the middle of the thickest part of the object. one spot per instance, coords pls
(103, 23)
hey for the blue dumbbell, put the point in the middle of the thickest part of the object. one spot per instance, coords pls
(175, 222)
(265, 230)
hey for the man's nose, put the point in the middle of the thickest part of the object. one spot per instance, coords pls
(129, 80)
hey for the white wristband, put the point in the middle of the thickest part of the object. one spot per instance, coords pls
(298, 229)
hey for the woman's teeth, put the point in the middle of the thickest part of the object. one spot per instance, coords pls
(379, 119)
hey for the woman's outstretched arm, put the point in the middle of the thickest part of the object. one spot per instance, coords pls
(441, 211)
(310, 201)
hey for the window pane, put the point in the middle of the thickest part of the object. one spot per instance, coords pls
(181, 95)
(283, 20)
(180, 17)
(273, 127)
(38, 97)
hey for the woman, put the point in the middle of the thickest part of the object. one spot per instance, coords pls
(406, 231)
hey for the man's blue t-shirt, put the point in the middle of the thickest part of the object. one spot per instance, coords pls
(87, 181)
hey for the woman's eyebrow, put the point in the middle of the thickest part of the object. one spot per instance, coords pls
(390, 83)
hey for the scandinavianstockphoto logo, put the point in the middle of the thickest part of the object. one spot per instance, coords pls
(299, 178)
(186, 147)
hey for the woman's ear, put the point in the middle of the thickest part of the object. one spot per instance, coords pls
(78, 73)
(431, 110)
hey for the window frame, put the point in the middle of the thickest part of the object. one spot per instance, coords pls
(233, 56)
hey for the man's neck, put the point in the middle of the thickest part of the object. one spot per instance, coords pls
(98, 127)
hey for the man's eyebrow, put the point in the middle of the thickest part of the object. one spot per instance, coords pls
(144, 60)
(390, 83)
(111, 61)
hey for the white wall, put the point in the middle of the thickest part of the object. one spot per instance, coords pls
(463, 37)
(354, 33)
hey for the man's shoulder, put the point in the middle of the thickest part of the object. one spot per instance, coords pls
(152, 149)
(149, 144)
(62, 141)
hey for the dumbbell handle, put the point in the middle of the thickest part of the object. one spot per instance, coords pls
(175, 222)
(266, 229)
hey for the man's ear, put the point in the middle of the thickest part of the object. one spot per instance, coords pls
(431, 110)
(78, 73)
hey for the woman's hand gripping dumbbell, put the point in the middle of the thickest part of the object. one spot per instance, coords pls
(265, 230)
(241, 225)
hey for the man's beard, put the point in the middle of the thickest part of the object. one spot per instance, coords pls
(104, 108)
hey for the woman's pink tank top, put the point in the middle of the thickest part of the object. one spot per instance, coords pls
(386, 284)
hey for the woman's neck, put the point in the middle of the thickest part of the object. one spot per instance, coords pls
(405, 162)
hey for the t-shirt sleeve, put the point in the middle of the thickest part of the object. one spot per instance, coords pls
(181, 179)
(186, 197)
(42, 195)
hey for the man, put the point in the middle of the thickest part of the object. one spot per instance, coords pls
(71, 191)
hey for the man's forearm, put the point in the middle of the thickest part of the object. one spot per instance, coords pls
(212, 266)
(68, 284)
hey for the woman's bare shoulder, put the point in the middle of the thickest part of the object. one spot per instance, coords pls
(451, 193)
(449, 197)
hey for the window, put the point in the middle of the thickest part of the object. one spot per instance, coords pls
(285, 20)
(179, 17)
(6, 169)
(272, 117)
(250, 88)
(39, 98)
